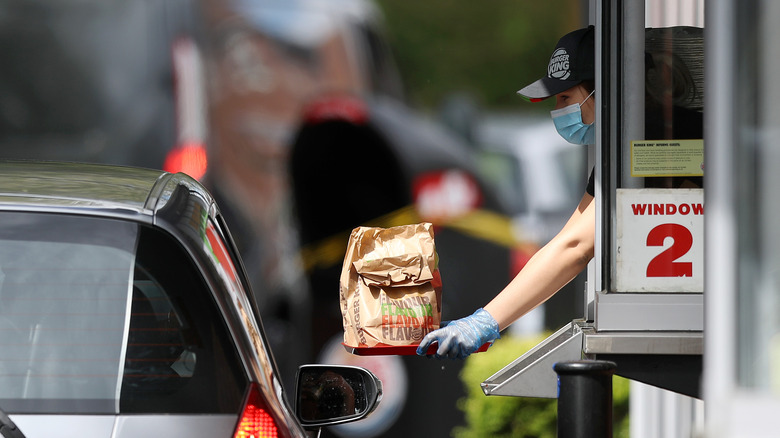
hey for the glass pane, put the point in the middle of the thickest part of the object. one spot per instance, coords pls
(758, 346)
(63, 297)
(180, 357)
(673, 154)
(104, 316)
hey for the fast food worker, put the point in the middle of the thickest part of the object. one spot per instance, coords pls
(570, 79)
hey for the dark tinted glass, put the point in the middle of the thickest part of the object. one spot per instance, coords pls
(179, 356)
(674, 106)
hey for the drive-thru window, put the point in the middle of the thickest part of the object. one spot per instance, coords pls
(651, 274)
(644, 303)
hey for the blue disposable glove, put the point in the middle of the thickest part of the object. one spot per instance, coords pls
(461, 337)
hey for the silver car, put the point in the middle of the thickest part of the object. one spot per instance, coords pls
(125, 312)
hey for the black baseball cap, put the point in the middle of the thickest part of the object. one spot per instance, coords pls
(571, 63)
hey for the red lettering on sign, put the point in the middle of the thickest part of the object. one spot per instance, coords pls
(666, 209)
(639, 209)
(665, 264)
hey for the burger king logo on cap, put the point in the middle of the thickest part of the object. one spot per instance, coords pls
(558, 68)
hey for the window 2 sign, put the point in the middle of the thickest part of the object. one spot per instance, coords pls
(660, 240)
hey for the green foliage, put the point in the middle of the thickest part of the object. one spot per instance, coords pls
(518, 417)
(486, 49)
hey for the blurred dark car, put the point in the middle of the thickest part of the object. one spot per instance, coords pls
(125, 311)
(370, 161)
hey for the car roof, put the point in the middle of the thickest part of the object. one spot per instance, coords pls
(57, 185)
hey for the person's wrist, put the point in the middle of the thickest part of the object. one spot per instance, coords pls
(490, 325)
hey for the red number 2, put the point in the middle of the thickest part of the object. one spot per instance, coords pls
(664, 264)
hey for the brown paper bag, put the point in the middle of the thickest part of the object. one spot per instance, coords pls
(390, 288)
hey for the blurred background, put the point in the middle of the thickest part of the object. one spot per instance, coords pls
(305, 119)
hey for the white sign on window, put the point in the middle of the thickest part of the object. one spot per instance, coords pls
(660, 240)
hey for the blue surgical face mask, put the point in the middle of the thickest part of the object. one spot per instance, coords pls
(568, 122)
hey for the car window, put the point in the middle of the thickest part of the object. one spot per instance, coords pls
(99, 316)
(180, 357)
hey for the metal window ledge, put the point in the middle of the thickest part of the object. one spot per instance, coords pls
(671, 360)
(643, 343)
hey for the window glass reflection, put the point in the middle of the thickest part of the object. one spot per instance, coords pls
(674, 101)
(757, 116)
(325, 395)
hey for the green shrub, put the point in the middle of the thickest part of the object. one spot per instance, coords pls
(518, 417)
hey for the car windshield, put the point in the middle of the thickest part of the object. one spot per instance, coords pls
(93, 320)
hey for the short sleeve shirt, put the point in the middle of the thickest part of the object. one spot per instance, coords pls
(590, 188)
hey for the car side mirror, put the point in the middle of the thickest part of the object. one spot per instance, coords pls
(334, 394)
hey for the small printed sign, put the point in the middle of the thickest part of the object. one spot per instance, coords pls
(660, 240)
(667, 158)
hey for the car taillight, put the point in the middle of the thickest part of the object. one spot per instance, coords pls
(257, 421)
(444, 195)
(189, 158)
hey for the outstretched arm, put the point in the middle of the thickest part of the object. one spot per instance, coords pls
(550, 268)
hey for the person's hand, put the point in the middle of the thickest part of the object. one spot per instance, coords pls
(461, 337)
